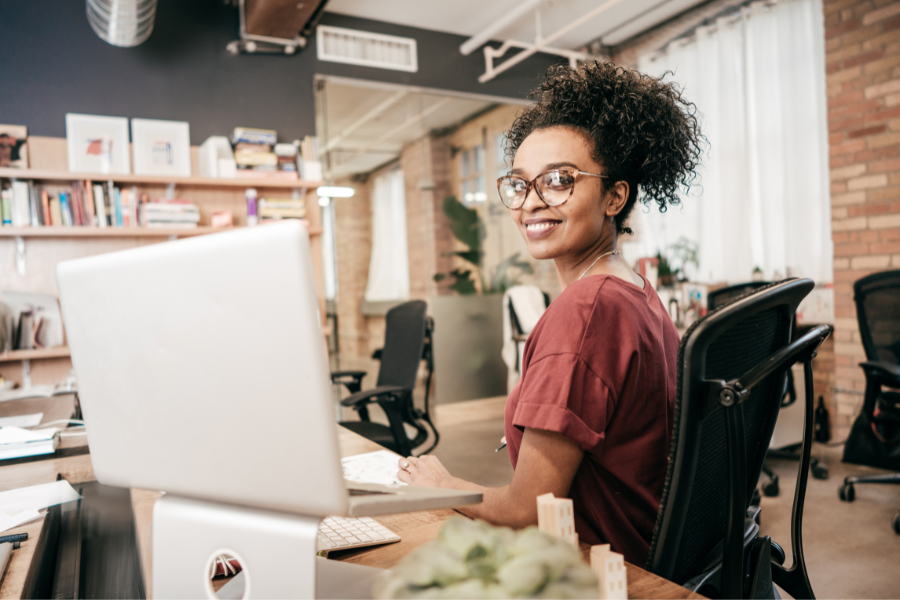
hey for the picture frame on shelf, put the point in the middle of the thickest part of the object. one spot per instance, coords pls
(161, 147)
(97, 144)
(13, 147)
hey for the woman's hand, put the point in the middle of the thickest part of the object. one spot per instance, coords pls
(424, 471)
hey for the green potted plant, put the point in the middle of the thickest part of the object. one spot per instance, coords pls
(468, 332)
(471, 559)
(468, 227)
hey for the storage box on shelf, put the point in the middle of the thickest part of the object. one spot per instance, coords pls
(42, 248)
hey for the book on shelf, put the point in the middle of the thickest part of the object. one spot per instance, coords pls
(276, 208)
(174, 213)
(65, 210)
(99, 205)
(55, 212)
(45, 207)
(249, 158)
(6, 207)
(84, 204)
(260, 174)
(21, 209)
(252, 135)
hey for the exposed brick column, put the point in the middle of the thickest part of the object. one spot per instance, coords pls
(426, 171)
(353, 248)
(862, 45)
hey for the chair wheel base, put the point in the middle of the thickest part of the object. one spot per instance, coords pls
(896, 524)
(770, 490)
(819, 472)
(846, 492)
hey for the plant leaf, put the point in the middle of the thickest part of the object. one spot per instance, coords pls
(501, 281)
(465, 223)
(463, 284)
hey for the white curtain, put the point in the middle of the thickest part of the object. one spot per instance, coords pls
(758, 80)
(389, 265)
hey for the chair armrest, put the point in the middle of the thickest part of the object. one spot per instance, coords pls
(367, 396)
(335, 375)
(884, 372)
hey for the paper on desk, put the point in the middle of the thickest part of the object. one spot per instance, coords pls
(17, 435)
(36, 497)
(20, 518)
(373, 467)
(22, 420)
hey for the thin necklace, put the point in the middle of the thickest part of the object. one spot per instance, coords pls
(610, 253)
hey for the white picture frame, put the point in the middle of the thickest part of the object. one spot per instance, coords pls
(97, 144)
(161, 147)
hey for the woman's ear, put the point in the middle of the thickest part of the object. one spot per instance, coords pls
(617, 195)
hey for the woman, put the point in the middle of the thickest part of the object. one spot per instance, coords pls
(592, 414)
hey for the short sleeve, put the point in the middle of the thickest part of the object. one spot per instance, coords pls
(560, 393)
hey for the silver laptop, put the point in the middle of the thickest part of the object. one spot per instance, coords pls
(202, 371)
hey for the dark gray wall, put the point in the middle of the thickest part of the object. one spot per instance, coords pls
(51, 63)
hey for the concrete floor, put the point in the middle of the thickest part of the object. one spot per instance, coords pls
(851, 549)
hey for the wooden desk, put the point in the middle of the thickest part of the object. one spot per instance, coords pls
(415, 529)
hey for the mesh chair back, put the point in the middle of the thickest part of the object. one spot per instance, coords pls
(404, 341)
(723, 296)
(878, 311)
(724, 345)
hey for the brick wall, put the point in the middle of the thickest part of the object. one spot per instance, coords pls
(353, 248)
(862, 45)
(426, 172)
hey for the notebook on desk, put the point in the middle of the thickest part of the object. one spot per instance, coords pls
(182, 353)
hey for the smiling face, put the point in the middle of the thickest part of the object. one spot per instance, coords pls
(573, 230)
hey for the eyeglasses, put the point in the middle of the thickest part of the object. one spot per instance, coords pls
(553, 187)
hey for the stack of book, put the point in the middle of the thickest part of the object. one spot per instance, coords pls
(170, 214)
(254, 155)
(86, 204)
(274, 209)
(287, 157)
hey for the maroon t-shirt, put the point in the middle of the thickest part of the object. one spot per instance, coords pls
(599, 368)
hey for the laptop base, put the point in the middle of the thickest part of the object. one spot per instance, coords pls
(277, 552)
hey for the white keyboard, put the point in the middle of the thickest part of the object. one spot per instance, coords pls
(343, 533)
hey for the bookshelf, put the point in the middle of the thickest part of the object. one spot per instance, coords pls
(45, 247)
(149, 180)
(118, 232)
(17, 355)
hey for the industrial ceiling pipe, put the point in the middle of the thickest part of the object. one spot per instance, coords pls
(122, 23)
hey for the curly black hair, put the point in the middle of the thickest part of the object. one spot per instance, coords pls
(640, 128)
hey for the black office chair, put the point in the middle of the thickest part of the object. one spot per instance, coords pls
(723, 296)
(732, 366)
(875, 436)
(407, 341)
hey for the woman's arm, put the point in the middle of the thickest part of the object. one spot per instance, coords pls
(547, 462)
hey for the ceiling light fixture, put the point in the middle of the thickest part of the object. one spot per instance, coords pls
(335, 191)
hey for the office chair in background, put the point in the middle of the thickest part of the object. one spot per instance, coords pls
(407, 342)
(875, 437)
(531, 303)
(723, 296)
(732, 366)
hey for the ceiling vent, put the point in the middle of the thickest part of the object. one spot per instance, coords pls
(352, 47)
(123, 23)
